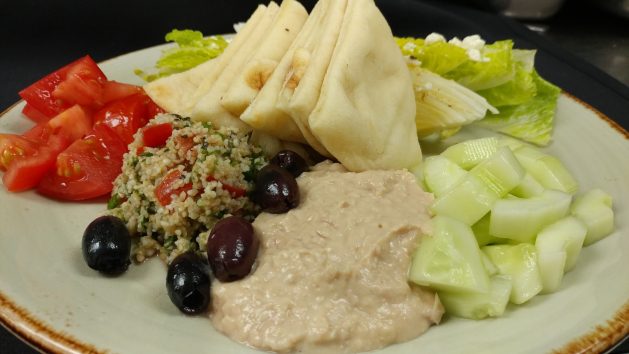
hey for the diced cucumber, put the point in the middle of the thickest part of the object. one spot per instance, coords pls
(528, 188)
(510, 143)
(546, 169)
(471, 152)
(594, 209)
(490, 267)
(479, 306)
(418, 172)
(521, 262)
(449, 260)
(473, 195)
(481, 231)
(558, 247)
(440, 173)
(522, 219)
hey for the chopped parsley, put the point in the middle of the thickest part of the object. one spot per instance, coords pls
(146, 154)
(170, 241)
(114, 202)
(207, 125)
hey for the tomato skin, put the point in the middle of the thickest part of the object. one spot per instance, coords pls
(185, 143)
(87, 168)
(124, 116)
(156, 135)
(41, 132)
(33, 114)
(153, 109)
(72, 123)
(113, 90)
(83, 83)
(40, 96)
(27, 171)
(164, 190)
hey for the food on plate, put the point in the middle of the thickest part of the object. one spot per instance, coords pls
(331, 275)
(526, 242)
(291, 162)
(232, 248)
(106, 245)
(173, 194)
(276, 190)
(188, 283)
(504, 76)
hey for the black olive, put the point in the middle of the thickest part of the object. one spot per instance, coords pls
(277, 190)
(107, 245)
(188, 283)
(290, 161)
(232, 248)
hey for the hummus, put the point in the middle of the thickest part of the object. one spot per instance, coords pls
(331, 274)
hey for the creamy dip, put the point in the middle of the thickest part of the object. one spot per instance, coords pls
(331, 274)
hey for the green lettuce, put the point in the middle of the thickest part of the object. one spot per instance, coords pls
(531, 121)
(515, 91)
(193, 50)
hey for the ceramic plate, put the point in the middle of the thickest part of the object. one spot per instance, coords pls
(52, 299)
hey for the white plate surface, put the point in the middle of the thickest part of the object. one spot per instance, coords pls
(50, 296)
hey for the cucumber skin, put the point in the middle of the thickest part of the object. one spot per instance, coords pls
(594, 209)
(473, 196)
(521, 262)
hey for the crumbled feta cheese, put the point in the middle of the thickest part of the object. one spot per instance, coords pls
(238, 26)
(428, 86)
(473, 46)
(474, 54)
(473, 42)
(410, 46)
(434, 38)
(456, 41)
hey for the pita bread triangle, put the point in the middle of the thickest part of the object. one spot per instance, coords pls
(262, 63)
(365, 115)
(262, 114)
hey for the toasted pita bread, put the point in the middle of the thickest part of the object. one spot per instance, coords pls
(262, 63)
(301, 90)
(190, 99)
(209, 108)
(365, 115)
(262, 114)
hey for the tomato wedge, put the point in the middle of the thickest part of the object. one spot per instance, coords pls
(165, 189)
(153, 109)
(87, 168)
(72, 123)
(39, 132)
(27, 161)
(156, 135)
(124, 116)
(40, 94)
(83, 83)
(33, 114)
(113, 90)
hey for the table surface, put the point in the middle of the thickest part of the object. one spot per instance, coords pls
(595, 36)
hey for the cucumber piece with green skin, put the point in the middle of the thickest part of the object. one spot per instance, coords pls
(440, 173)
(449, 260)
(521, 262)
(470, 153)
(558, 247)
(594, 209)
(528, 188)
(473, 196)
(522, 219)
(479, 306)
(546, 169)
(481, 231)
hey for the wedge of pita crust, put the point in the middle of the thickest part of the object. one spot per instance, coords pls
(190, 99)
(301, 91)
(262, 114)
(168, 92)
(262, 63)
(365, 115)
(209, 108)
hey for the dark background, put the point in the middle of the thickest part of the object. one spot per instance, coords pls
(38, 37)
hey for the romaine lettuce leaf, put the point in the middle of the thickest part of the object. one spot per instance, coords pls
(515, 91)
(530, 121)
(193, 50)
(439, 57)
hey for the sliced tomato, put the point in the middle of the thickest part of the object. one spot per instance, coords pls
(156, 135)
(153, 109)
(39, 95)
(165, 189)
(26, 169)
(33, 114)
(39, 132)
(185, 143)
(83, 83)
(72, 123)
(87, 168)
(124, 116)
(113, 90)
(233, 191)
